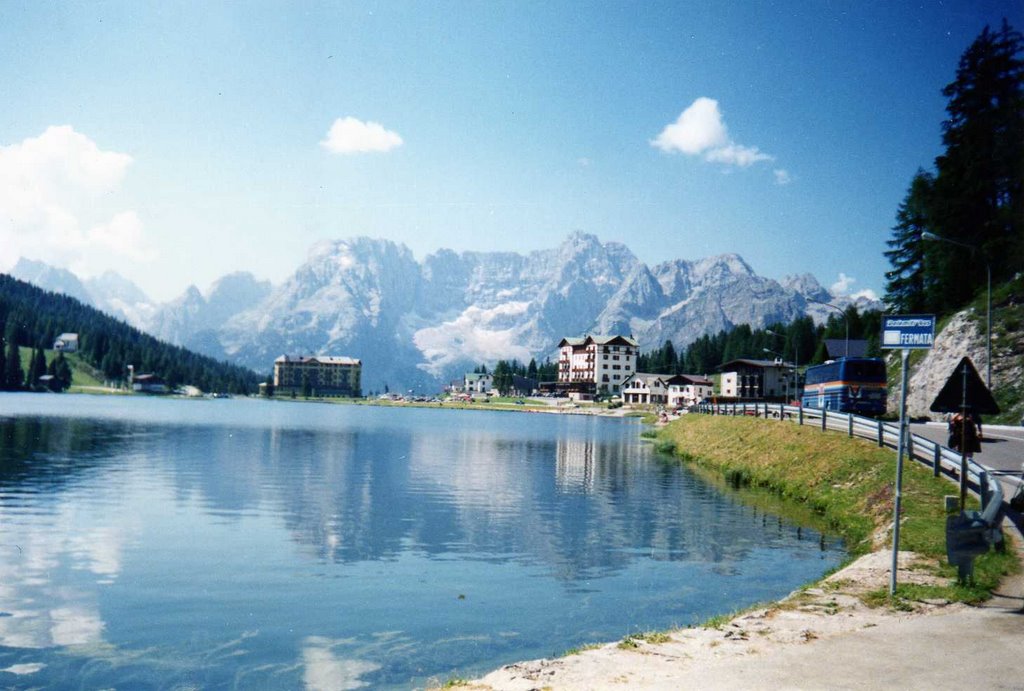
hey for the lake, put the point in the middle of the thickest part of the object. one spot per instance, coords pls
(163, 543)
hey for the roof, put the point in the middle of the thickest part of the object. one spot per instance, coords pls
(690, 379)
(68, 337)
(477, 376)
(599, 340)
(836, 347)
(646, 377)
(321, 359)
(762, 364)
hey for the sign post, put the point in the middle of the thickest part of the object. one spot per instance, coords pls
(906, 332)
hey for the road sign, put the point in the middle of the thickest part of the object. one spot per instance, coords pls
(964, 389)
(908, 331)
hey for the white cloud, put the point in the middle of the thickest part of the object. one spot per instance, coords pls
(736, 155)
(843, 284)
(782, 176)
(351, 136)
(701, 131)
(698, 129)
(53, 185)
(123, 234)
(866, 294)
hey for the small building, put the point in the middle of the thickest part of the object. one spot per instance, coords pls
(522, 386)
(685, 390)
(645, 389)
(66, 343)
(476, 382)
(149, 383)
(596, 364)
(758, 380)
(320, 375)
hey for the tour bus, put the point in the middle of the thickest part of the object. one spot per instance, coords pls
(847, 385)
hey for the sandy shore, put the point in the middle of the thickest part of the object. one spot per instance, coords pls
(820, 637)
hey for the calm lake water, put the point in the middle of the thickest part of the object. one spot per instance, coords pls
(157, 543)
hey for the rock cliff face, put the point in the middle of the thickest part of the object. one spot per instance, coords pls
(963, 335)
(420, 324)
(110, 292)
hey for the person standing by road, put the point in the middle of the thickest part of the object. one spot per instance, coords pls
(963, 435)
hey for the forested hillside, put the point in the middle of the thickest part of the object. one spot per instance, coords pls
(33, 318)
(800, 342)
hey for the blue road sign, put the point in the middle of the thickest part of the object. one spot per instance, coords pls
(909, 331)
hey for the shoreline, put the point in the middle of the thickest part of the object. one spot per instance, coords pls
(801, 641)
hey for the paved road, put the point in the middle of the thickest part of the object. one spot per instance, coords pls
(1002, 449)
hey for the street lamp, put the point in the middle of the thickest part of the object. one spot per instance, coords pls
(925, 235)
(845, 320)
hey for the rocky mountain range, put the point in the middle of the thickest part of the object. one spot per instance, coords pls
(419, 324)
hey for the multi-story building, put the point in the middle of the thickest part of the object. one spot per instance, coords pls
(320, 375)
(596, 364)
(758, 380)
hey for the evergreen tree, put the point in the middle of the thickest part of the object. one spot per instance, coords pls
(36, 367)
(979, 187)
(62, 371)
(905, 290)
(14, 376)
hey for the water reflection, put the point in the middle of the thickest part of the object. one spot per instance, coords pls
(249, 543)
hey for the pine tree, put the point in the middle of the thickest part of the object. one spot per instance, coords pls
(905, 290)
(36, 367)
(979, 188)
(14, 377)
(63, 372)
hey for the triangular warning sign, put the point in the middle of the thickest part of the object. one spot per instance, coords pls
(978, 398)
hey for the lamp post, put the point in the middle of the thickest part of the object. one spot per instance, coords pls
(925, 235)
(845, 320)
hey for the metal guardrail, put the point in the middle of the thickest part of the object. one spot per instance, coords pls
(941, 459)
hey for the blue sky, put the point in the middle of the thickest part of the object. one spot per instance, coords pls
(176, 142)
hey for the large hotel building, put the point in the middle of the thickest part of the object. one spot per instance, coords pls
(596, 364)
(323, 375)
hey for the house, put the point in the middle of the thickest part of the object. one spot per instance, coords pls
(318, 375)
(758, 380)
(595, 364)
(522, 386)
(645, 389)
(685, 390)
(148, 383)
(66, 342)
(475, 382)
